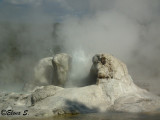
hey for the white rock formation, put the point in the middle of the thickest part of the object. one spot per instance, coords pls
(115, 91)
(51, 71)
(62, 67)
(109, 67)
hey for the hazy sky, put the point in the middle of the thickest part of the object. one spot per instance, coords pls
(58, 9)
(55, 9)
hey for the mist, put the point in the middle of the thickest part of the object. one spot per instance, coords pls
(127, 29)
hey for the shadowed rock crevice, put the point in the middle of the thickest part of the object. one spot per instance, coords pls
(74, 107)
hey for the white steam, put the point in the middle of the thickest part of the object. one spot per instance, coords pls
(81, 64)
(105, 32)
(128, 29)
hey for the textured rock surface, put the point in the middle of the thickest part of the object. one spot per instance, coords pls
(44, 92)
(115, 91)
(107, 66)
(51, 71)
(62, 67)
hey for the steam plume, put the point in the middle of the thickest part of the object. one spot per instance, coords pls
(128, 29)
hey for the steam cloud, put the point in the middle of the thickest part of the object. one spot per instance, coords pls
(128, 29)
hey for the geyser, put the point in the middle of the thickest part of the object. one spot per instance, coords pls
(110, 94)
